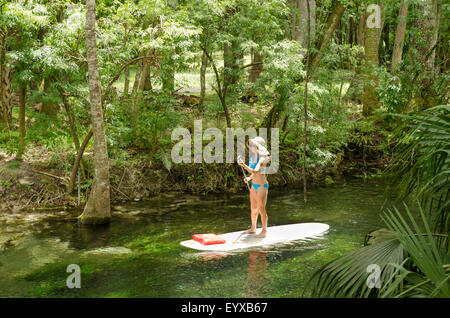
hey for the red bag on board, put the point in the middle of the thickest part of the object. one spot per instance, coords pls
(208, 239)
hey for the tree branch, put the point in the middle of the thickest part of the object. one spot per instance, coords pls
(251, 64)
(121, 70)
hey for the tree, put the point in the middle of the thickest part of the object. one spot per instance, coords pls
(399, 35)
(431, 28)
(5, 84)
(373, 24)
(299, 20)
(205, 42)
(257, 68)
(97, 209)
(330, 26)
(235, 27)
(305, 105)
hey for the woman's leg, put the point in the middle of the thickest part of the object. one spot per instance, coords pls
(261, 202)
(254, 211)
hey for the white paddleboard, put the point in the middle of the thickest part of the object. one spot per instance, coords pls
(275, 234)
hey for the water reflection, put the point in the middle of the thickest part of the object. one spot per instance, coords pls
(93, 236)
(256, 281)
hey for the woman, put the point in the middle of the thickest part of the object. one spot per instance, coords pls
(260, 187)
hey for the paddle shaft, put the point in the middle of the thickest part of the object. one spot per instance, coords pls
(243, 172)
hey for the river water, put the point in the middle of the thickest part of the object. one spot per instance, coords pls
(138, 253)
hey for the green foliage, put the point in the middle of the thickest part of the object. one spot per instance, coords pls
(431, 277)
(391, 94)
(422, 162)
(410, 260)
(328, 125)
(152, 130)
(283, 65)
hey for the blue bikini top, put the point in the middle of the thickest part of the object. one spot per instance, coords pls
(252, 164)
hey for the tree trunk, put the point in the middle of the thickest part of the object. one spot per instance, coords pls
(5, 87)
(148, 81)
(72, 126)
(387, 48)
(225, 109)
(137, 77)
(431, 30)
(273, 115)
(71, 120)
(228, 63)
(140, 88)
(293, 17)
(145, 74)
(305, 110)
(126, 85)
(48, 107)
(301, 22)
(361, 28)
(331, 24)
(399, 35)
(97, 209)
(351, 34)
(22, 105)
(168, 75)
(78, 160)
(256, 69)
(370, 100)
(203, 78)
(221, 89)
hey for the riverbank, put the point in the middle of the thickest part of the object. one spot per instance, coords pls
(39, 180)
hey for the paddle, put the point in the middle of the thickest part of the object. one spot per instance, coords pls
(240, 159)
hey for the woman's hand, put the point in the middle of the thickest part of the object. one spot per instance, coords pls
(247, 179)
(240, 162)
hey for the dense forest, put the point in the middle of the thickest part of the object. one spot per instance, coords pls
(91, 91)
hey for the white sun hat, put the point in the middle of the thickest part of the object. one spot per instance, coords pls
(260, 144)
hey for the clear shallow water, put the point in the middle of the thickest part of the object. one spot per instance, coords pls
(138, 254)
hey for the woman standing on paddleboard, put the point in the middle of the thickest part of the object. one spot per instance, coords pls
(259, 157)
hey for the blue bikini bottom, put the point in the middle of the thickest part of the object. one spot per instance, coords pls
(256, 186)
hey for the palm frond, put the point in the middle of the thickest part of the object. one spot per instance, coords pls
(411, 264)
(424, 251)
(422, 162)
(347, 276)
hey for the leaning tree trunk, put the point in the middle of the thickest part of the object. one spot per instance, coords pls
(370, 99)
(399, 36)
(97, 209)
(330, 26)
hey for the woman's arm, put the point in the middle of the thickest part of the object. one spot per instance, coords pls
(250, 177)
(257, 167)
